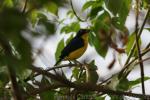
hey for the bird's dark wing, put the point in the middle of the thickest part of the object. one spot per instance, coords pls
(73, 45)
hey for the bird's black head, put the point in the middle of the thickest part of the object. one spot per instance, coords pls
(82, 32)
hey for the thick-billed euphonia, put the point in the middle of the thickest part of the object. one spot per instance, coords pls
(76, 47)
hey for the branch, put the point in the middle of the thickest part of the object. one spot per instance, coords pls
(142, 60)
(138, 48)
(82, 86)
(76, 13)
(52, 68)
(45, 88)
(136, 58)
(134, 45)
(25, 6)
(12, 74)
(57, 77)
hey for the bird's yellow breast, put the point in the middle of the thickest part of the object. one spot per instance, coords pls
(79, 52)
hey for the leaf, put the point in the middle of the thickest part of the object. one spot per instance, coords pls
(75, 73)
(124, 11)
(73, 27)
(52, 7)
(87, 5)
(94, 12)
(60, 47)
(103, 21)
(4, 78)
(100, 48)
(47, 95)
(137, 81)
(111, 5)
(91, 74)
(99, 38)
(100, 97)
(130, 43)
(33, 17)
(117, 24)
(148, 29)
(23, 60)
(70, 13)
(43, 20)
(123, 84)
(121, 11)
(7, 19)
(8, 3)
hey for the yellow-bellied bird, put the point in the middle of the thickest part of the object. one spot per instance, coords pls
(76, 47)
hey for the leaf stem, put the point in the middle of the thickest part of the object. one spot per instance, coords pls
(76, 13)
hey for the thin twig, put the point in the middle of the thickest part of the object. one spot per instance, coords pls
(145, 51)
(148, 58)
(76, 13)
(138, 48)
(134, 44)
(84, 86)
(25, 6)
(52, 68)
(52, 76)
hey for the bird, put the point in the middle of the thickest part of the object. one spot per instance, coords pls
(76, 47)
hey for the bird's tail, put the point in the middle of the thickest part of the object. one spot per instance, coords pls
(57, 62)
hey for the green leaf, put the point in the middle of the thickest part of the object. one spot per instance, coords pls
(24, 59)
(8, 3)
(123, 84)
(137, 81)
(11, 33)
(73, 27)
(7, 19)
(4, 77)
(117, 24)
(100, 39)
(103, 21)
(33, 17)
(130, 43)
(124, 11)
(148, 29)
(91, 74)
(52, 7)
(60, 47)
(100, 48)
(70, 13)
(94, 12)
(87, 5)
(47, 95)
(111, 5)
(120, 11)
(43, 20)
(75, 73)
(100, 98)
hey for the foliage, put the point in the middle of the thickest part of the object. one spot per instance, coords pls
(21, 18)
